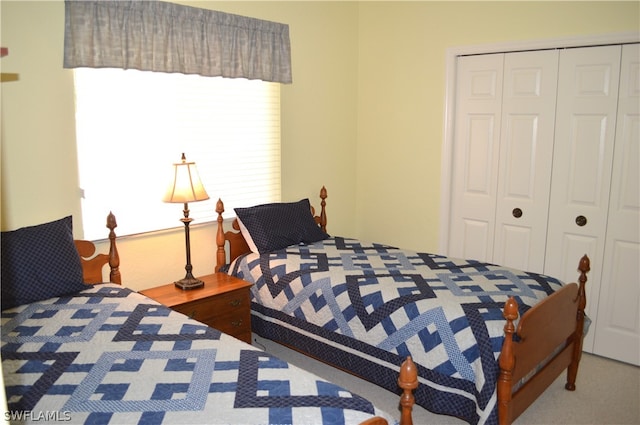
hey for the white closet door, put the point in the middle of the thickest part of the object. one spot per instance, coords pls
(526, 152)
(476, 153)
(617, 331)
(583, 153)
(505, 111)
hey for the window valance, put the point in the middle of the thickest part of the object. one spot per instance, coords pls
(167, 37)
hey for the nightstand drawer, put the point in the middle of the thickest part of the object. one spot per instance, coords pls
(235, 323)
(235, 303)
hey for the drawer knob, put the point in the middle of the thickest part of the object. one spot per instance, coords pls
(517, 212)
(237, 323)
(234, 303)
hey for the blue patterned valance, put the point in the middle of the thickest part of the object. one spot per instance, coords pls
(166, 37)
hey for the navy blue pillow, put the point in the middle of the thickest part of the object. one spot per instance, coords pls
(39, 262)
(279, 225)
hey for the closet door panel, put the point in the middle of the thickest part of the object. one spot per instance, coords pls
(476, 151)
(526, 150)
(515, 247)
(583, 153)
(617, 331)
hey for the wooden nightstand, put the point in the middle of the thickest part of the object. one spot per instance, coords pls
(223, 303)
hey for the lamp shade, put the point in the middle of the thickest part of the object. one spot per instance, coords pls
(186, 185)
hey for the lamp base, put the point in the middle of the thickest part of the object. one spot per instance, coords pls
(189, 283)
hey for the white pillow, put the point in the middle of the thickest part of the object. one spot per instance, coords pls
(247, 236)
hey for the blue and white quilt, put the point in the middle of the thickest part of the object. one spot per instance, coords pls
(364, 307)
(110, 355)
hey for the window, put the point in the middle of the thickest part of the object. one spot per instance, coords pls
(131, 126)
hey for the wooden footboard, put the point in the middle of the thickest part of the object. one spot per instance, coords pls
(548, 341)
(92, 265)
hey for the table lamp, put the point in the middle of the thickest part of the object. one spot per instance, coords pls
(186, 187)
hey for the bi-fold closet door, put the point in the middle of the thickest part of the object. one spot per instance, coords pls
(545, 169)
(595, 191)
(503, 151)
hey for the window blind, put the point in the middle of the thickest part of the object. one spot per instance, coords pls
(131, 126)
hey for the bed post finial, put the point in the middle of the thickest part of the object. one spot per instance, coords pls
(408, 381)
(507, 361)
(584, 266)
(221, 256)
(114, 258)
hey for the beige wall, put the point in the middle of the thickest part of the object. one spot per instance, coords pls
(364, 115)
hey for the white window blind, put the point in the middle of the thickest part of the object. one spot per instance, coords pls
(131, 126)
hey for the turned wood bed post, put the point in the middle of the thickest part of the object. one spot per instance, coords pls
(408, 381)
(93, 264)
(221, 256)
(323, 212)
(507, 361)
(114, 258)
(572, 371)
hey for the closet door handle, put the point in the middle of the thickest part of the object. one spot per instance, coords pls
(517, 212)
(581, 220)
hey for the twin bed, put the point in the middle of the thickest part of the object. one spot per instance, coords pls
(363, 307)
(76, 350)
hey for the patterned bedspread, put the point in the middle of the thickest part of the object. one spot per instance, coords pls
(364, 307)
(110, 355)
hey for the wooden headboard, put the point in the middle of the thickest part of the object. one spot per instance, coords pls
(237, 244)
(92, 265)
